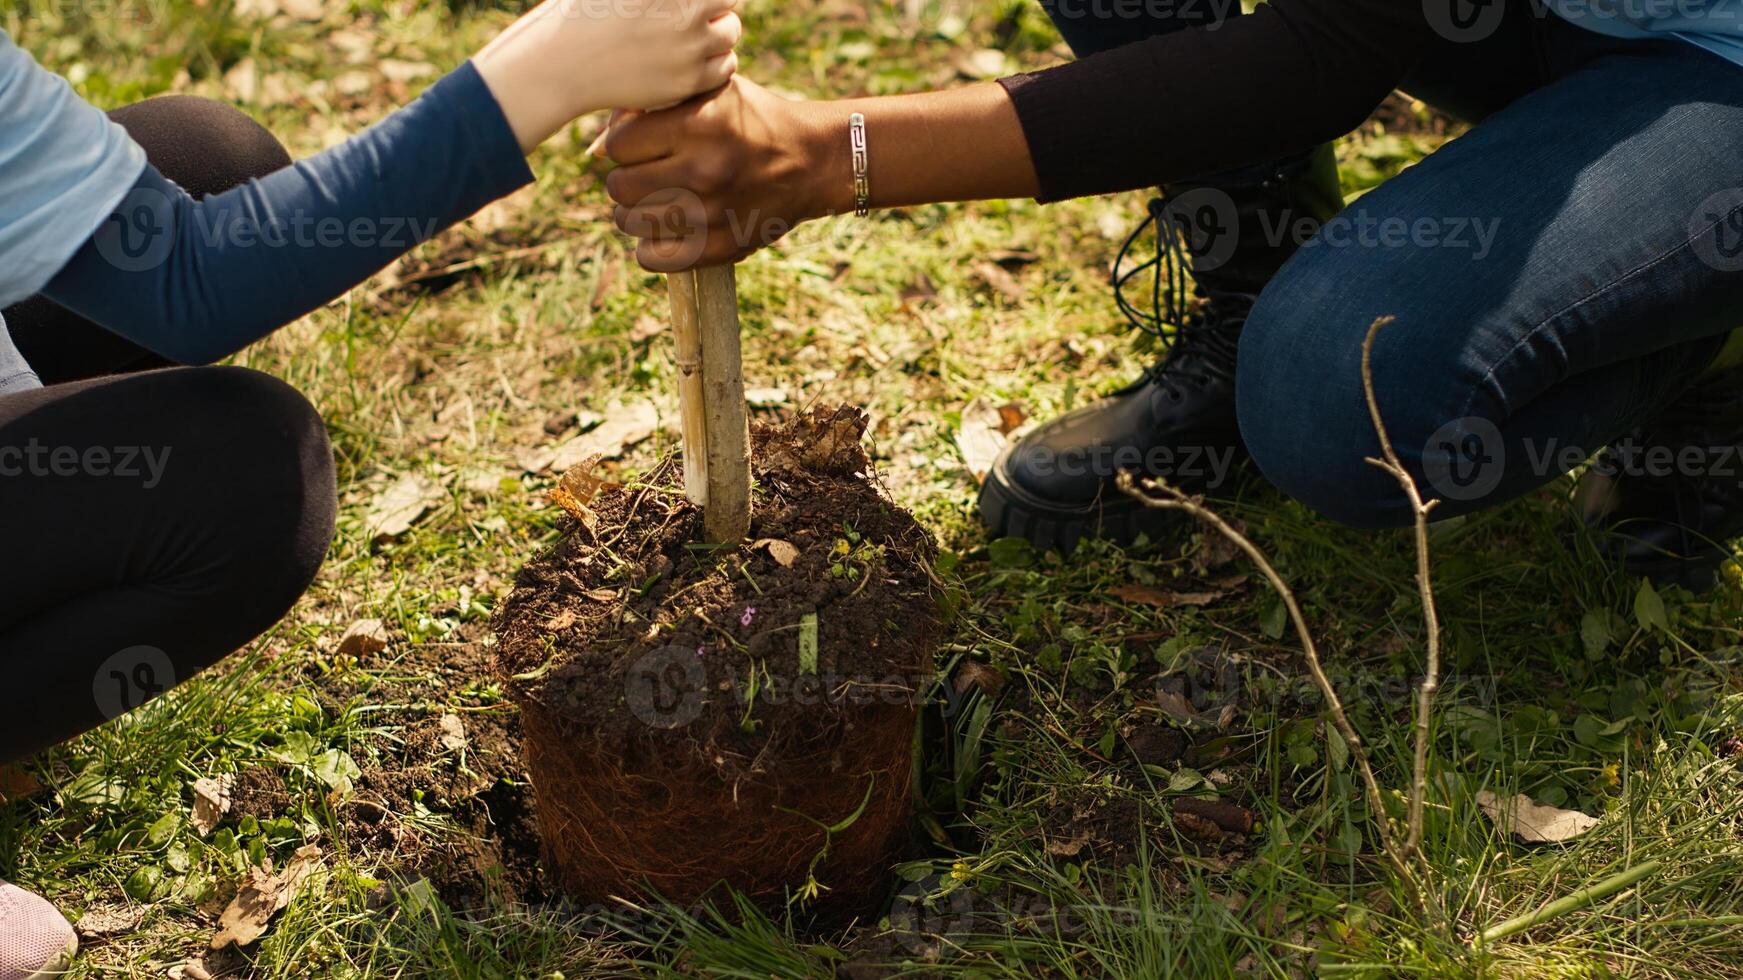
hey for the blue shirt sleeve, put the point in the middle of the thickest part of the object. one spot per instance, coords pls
(196, 281)
(63, 167)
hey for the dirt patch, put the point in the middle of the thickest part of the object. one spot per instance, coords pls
(699, 714)
(443, 793)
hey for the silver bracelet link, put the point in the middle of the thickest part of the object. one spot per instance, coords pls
(861, 165)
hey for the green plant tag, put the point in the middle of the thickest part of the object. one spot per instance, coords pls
(808, 643)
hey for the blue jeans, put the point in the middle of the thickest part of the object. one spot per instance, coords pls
(1558, 274)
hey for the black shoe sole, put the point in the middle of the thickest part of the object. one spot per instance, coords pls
(1008, 511)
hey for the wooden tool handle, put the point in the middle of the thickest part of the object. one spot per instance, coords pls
(726, 516)
(687, 339)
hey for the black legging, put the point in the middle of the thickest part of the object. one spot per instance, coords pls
(154, 520)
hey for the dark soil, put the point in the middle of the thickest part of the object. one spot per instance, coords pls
(474, 781)
(676, 737)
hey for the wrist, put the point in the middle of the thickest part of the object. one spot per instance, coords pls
(830, 157)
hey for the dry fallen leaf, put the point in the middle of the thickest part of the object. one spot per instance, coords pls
(981, 437)
(17, 784)
(625, 425)
(262, 896)
(1067, 848)
(395, 70)
(1149, 595)
(1533, 822)
(211, 802)
(995, 276)
(785, 553)
(985, 677)
(1216, 550)
(363, 638)
(576, 489)
(453, 732)
(400, 505)
(765, 397)
(106, 921)
(1176, 706)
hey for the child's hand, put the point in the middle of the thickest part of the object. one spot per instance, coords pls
(566, 58)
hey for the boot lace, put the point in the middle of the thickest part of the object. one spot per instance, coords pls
(1198, 343)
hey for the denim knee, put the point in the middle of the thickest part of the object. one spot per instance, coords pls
(1300, 402)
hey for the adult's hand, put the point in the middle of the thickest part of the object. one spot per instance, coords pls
(714, 179)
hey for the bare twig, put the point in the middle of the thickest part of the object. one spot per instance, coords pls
(1340, 719)
(1431, 671)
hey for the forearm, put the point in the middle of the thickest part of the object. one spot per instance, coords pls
(194, 281)
(1194, 102)
(962, 144)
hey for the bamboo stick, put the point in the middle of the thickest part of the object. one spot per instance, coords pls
(726, 518)
(687, 339)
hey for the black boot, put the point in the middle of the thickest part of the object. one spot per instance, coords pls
(1177, 421)
(1668, 498)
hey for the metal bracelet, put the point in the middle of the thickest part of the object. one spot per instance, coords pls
(861, 165)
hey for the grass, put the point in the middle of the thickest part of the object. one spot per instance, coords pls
(1054, 853)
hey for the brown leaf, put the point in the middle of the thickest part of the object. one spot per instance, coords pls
(17, 784)
(974, 674)
(1176, 706)
(261, 897)
(1067, 848)
(1011, 417)
(104, 922)
(981, 437)
(397, 508)
(1216, 550)
(625, 425)
(995, 276)
(561, 621)
(211, 802)
(1149, 595)
(363, 638)
(576, 489)
(453, 737)
(1533, 822)
(785, 553)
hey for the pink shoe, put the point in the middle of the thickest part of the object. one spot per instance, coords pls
(36, 941)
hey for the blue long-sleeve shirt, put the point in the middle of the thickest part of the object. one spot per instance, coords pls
(84, 219)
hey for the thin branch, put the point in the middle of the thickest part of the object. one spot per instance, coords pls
(1340, 719)
(1431, 618)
